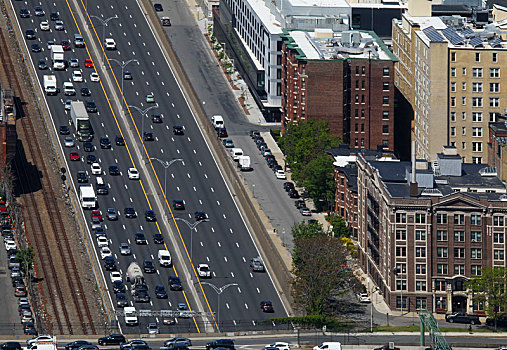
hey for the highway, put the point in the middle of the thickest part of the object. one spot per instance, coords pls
(224, 241)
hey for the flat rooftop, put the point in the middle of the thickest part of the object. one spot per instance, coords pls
(319, 3)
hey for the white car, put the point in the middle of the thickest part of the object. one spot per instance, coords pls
(102, 241)
(74, 63)
(110, 44)
(77, 76)
(96, 169)
(94, 77)
(10, 244)
(38, 338)
(133, 174)
(44, 25)
(203, 271)
(363, 298)
(68, 141)
(68, 104)
(68, 89)
(279, 346)
(105, 252)
(59, 25)
(280, 174)
(115, 276)
(153, 328)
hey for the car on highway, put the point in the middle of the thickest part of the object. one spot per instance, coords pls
(88, 63)
(109, 263)
(54, 16)
(94, 77)
(228, 143)
(387, 347)
(49, 44)
(200, 215)
(220, 343)
(44, 26)
(104, 252)
(257, 265)
(130, 212)
(74, 63)
(280, 346)
(133, 344)
(64, 130)
(99, 231)
(105, 143)
(153, 328)
(102, 241)
(203, 271)
(38, 11)
(125, 249)
(119, 287)
(59, 25)
(114, 170)
(115, 276)
(82, 177)
(127, 75)
(112, 339)
(140, 238)
(149, 215)
(119, 141)
(158, 238)
(174, 283)
(68, 89)
(24, 13)
(96, 213)
(30, 34)
(148, 136)
(267, 306)
(178, 130)
(150, 98)
(91, 107)
(76, 344)
(160, 292)
(77, 76)
(65, 45)
(68, 141)
(95, 223)
(36, 48)
(111, 214)
(73, 156)
(96, 169)
(178, 204)
(85, 91)
(133, 174)
(158, 7)
(222, 132)
(110, 44)
(462, 317)
(42, 64)
(121, 300)
(88, 146)
(148, 266)
(182, 340)
(156, 118)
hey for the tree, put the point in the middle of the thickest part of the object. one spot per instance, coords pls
(305, 229)
(340, 228)
(318, 180)
(26, 258)
(489, 288)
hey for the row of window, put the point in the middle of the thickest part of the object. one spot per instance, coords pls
(476, 131)
(477, 72)
(385, 114)
(385, 99)
(442, 218)
(477, 117)
(476, 87)
(494, 102)
(459, 253)
(459, 269)
(494, 56)
(385, 71)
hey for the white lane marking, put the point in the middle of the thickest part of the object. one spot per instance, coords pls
(239, 289)
(178, 188)
(188, 175)
(225, 258)
(195, 152)
(219, 244)
(237, 244)
(232, 274)
(244, 260)
(227, 305)
(195, 190)
(212, 229)
(202, 245)
(251, 275)
(258, 291)
(207, 259)
(206, 176)
(230, 229)
(224, 216)
(218, 202)
(200, 164)
(246, 306)
(200, 202)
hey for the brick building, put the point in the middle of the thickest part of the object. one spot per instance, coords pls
(346, 78)
(446, 230)
(497, 148)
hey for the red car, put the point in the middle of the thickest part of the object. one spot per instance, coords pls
(74, 156)
(65, 45)
(88, 63)
(97, 214)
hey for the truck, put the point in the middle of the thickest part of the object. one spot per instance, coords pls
(50, 85)
(81, 121)
(87, 197)
(217, 121)
(138, 287)
(134, 273)
(244, 163)
(58, 57)
(130, 316)
(44, 343)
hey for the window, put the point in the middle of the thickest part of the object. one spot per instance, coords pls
(357, 99)
(453, 116)
(385, 86)
(441, 252)
(477, 57)
(463, 115)
(477, 72)
(442, 269)
(441, 218)
(400, 300)
(442, 235)
(497, 220)
(440, 285)
(385, 100)
(420, 235)
(492, 116)
(476, 270)
(498, 254)
(459, 219)
(494, 87)
(357, 84)
(401, 235)
(459, 269)
(464, 145)
(476, 253)
(420, 269)
(401, 284)
(420, 218)
(401, 218)
(494, 57)
(463, 100)
(453, 72)
(476, 236)
(464, 71)
(420, 252)
(453, 56)
(386, 72)
(453, 86)
(476, 146)
(475, 219)
(498, 237)
(494, 72)
(401, 267)
(420, 303)
(453, 131)
(477, 117)
(476, 87)
(363, 70)
(385, 129)
(385, 115)
(477, 131)
(357, 69)
(463, 130)
(475, 160)
(463, 86)
(459, 253)
(401, 251)
(420, 285)
(453, 101)
(459, 236)
(494, 102)
(442, 303)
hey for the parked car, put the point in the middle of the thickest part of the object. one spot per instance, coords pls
(363, 298)
(461, 317)
(501, 321)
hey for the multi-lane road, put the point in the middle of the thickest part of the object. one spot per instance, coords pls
(223, 242)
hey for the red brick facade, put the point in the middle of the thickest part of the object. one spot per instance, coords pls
(346, 199)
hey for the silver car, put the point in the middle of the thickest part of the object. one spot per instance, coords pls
(69, 141)
(112, 215)
(74, 63)
(125, 249)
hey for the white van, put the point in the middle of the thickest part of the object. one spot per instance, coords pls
(332, 345)
(164, 258)
(217, 121)
(130, 316)
(235, 153)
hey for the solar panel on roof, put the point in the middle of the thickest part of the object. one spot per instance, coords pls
(496, 42)
(476, 41)
(453, 36)
(467, 31)
(433, 35)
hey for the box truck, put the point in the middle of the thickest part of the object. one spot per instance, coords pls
(217, 121)
(244, 163)
(50, 84)
(87, 197)
(81, 121)
(58, 57)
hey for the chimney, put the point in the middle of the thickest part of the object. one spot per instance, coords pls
(413, 184)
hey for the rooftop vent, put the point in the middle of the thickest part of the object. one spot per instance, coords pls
(450, 151)
(431, 192)
(488, 171)
(351, 38)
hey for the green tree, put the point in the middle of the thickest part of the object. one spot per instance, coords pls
(489, 289)
(317, 177)
(26, 258)
(340, 228)
(305, 229)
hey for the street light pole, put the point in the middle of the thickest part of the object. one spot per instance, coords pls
(219, 291)
(166, 164)
(143, 113)
(192, 227)
(122, 64)
(104, 24)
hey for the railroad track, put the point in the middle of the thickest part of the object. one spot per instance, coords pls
(65, 302)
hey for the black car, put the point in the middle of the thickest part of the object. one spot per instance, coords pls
(178, 204)
(130, 213)
(148, 266)
(175, 283)
(101, 188)
(91, 158)
(158, 7)
(42, 64)
(82, 177)
(105, 142)
(99, 231)
(294, 194)
(461, 317)
(118, 287)
(160, 292)
(148, 136)
(85, 91)
(119, 141)
(178, 130)
(64, 130)
(220, 343)
(36, 48)
(200, 215)
(132, 343)
(109, 263)
(88, 147)
(30, 34)
(38, 11)
(300, 203)
(112, 339)
(272, 163)
(222, 132)
(114, 170)
(121, 300)
(127, 75)
(149, 215)
(140, 238)
(158, 238)
(267, 306)
(24, 13)
(54, 16)
(11, 345)
(76, 344)
(156, 118)
(254, 133)
(287, 186)
(91, 107)
(501, 321)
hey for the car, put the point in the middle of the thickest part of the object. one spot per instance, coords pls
(305, 211)
(104, 252)
(96, 213)
(118, 286)
(114, 170)
(105, 143)
(94, 77)
(280, 174)
(119, 141)
(54, 16)
(101, 186)
(36, 48)
(90, 158)
(175, 283)
(64, 130)
(91, 107)
(299, 203)
(133, 174)
(133, 343)
(178, 204)
(160, 292)
(169, 321)
(59, 25)
(279, 346)
(461, 317)
(109, 263)
(68, 141)
(387, 347)
(222, 132)
(148, 265)
(112, 339)
(170, 343)
(68, 89)
(220, 343)
(363, 298)
(267, 306)
(88, 146)
(148, 136)
(257, 265)
(11, 345)
(200, 215)
(96, 169)
(158, 7)
(20, 291)
(156, 118)
(82, 177)
(85, 91)
(115, 276)
(68, 105)
(294, 194)
(228, 143)
(125, 249)
(153, 328)
(76, 344)
(77, 76)
(95, 223)
(88, 63)
(24, 13)
(30, 34)
(266, 152)
(74, 63)
(140, 238)
(42, 64)
(149, 215)
(203, 271)
(178, 130)
(121, 300)
(38, 11)
(287, 186)
(10, 244)
(110, 44)
(49, 44)
(150, 98)
(158, 238)
(127, 75)
(65, 45)
(129, 212)
(99, 231)
(501, 321)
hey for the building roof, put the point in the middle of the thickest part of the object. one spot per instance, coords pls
(319, 3)
(267, 18)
